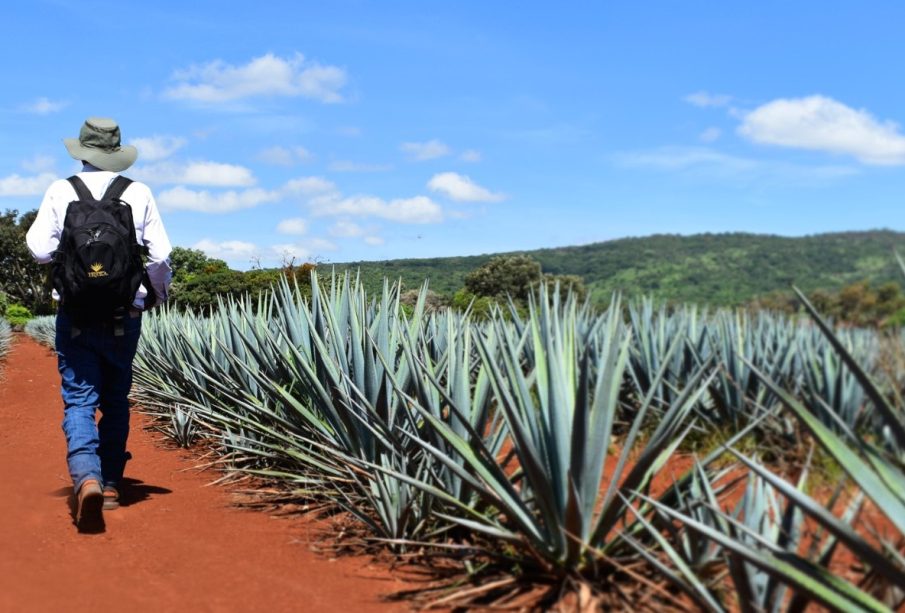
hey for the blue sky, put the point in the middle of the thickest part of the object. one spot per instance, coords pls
(370, 130)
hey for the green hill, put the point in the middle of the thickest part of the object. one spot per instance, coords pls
(720, 269)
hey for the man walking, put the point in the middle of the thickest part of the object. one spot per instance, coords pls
(103, 289)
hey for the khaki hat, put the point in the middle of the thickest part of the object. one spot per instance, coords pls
(99, 145)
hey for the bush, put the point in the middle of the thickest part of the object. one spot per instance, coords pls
(480, 305)
(502, 276)
(896, 320)
(18, 315)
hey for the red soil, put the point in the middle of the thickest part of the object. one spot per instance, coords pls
(175, 546)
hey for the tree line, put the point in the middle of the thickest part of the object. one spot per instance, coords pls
(480, 282)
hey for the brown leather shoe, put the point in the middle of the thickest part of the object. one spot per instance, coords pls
(111, 498)
(89, 516)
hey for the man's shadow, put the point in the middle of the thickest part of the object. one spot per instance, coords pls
(131, 491)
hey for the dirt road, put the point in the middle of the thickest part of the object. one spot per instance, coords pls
(174, 546)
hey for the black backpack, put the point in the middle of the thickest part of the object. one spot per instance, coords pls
(98, 265)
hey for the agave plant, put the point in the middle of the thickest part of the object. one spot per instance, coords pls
(308, 392)
(42, 329)
(182, 426)
(560, 509)
(764, 559)
(828, 386)
(740, 341)
(654, 332)
(6, 337)
(770, 565)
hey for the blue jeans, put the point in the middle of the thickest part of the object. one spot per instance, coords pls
(95, 364)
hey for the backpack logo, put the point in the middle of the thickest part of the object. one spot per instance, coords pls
(97, 270)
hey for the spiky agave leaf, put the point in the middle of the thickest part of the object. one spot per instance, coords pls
(772, 564)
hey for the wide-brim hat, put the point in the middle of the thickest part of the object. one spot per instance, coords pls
(99, 145)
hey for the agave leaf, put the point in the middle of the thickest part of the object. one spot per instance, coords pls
(835, 526)
(861, 472)
(892, 419)
(816, 581)
(687, 579)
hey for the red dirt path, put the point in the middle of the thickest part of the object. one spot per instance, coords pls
(177, 545)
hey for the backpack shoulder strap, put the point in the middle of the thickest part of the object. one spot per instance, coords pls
(81, 190)
(116, 188)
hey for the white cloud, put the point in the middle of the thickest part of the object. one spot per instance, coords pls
(429, 150)
(710, 135)
(39, 164)
(154, 148)
(470, 155)
(15, 185)
(44, 106)
(419, 209)
(706, 99)
(295, 225)
(346, 229)
(461, 188)
(349, 131)
(285, 156)
(374, 241)
(268, 75)
(212, 174)
(239, 253)
(181, 198)
(301, 252)
(309, 186)
(347, 166)
(227, 250)
(823, 124)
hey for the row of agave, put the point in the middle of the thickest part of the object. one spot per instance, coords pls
(429, 427)
(541, 441)
(792, 352)
(42, 329)
(6, 337)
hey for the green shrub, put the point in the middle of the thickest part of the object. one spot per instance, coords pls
(4, 303)
(896, 320)
(18, 315)
(480, 305)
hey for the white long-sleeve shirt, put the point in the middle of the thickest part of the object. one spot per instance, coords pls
(44, 235)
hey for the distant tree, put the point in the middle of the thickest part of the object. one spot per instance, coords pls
(778, 301)
(890, 306)
(194, 277)
(187, 262)
(855, 301)
(23, 280)
(857, 304)
(567, 283)
(432, 301)
(823, 300)
(199, 281)
(502, 276)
